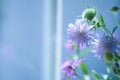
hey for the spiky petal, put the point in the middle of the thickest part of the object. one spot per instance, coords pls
(80, 33)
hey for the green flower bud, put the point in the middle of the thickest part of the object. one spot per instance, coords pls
(108, 57)
(89, 13)
(114, 9)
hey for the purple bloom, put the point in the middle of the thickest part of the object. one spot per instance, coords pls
(104, 44)
(68, 67)
(80, 33)
(78, 61)
(69, 46)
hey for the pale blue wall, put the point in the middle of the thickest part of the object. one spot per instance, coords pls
(21, 46)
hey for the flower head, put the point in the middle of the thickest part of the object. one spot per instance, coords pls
(69, 46)
(68, 67)
(104, 45)
(89, 13)
(80, 33)
(78, 61)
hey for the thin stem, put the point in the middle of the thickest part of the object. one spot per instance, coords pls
(76, 49)
(78, 75)
(107, 31)
(117, 20)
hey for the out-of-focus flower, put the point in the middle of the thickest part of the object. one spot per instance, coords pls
(104, 45)
(68, 67)
(89, 13)
(69, 46)
(80, 33)
(78, 61)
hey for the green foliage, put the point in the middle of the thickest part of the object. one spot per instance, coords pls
(84, 68)
(108, 57)
(114, 29)
(97, 77)
(116, 57)
(101, 21)
(85, 51)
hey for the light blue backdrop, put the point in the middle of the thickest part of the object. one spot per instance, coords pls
(21, 40)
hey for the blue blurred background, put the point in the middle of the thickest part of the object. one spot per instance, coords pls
(22, 33)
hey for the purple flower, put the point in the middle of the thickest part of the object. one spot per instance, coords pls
(68, 67)
(104, 44)
(80, 33)
(78, 61)
(69, 46)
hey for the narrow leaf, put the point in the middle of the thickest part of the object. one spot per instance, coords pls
(114, 29)
(101, 20)
(96, 75)
(84, 68)
(85, 51)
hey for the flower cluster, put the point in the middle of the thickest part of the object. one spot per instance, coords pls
(83, 34)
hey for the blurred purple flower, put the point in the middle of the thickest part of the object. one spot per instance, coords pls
(78, 61)
(80, 33)
(104, 44)
(116, 37)
(68, 67)
(69, 46)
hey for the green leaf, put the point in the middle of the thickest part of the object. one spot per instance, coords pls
(101, 21)
(114, 29)
(85, 51)
(96, 75)
(84, 68)
(116, 57)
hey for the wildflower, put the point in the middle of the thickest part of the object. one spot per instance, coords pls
(69, 46)
(80, 33)
(68, 67)
(104, 45)
(78, 61)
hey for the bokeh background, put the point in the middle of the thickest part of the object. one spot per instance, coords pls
(29, 46)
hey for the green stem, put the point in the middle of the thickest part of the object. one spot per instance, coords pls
(76, 49)
(107, 31)
(117, 20)
(78, 75)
